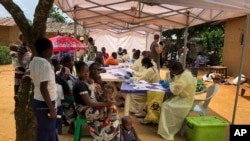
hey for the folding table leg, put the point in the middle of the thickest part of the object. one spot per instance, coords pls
(127, 104)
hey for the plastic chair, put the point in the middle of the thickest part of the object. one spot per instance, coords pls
(202, 108)
(78, 130)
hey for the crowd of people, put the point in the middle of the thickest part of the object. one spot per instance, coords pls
(59, 91)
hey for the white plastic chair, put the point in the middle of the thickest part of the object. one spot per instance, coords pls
(202, 108)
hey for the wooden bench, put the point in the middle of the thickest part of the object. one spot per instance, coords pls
(219, 69)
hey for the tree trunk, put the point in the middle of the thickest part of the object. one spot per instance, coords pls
(24, 115)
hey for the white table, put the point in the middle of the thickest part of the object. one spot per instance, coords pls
(107, 77)
(110, 77)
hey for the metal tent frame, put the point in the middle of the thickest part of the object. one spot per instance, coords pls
(155, 15)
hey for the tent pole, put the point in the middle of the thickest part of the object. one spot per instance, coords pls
(161, 32)
(75, 33)
(185, 41)
(241, 65)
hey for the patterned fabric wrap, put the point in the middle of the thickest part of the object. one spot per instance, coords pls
(69, 108)
(99, 129)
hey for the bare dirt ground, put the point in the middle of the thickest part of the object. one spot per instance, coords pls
(221, 105)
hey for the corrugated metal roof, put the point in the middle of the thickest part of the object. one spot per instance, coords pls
(7, 21)
(55, 27)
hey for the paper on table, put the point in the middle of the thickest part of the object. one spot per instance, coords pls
(140, 88)
(159, 87)
(129, 70)
(143, 81)
(156, 84)
(143, 84)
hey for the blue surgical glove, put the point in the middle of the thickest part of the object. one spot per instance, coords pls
(130, 74)
(133, 73)
(165, 85)
(126, 76)
(161, 81)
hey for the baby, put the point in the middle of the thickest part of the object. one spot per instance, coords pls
(13, 54)
(106, 112)
(128, 132)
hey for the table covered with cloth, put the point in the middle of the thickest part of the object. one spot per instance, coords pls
(141, 88)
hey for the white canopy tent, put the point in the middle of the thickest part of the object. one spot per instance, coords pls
(111, 40)
(150, 15)
(154, 15)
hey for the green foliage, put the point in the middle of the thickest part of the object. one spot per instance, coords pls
(56, 15)
(209, 35)
(4, 55)
(213, 41)
(200, 86)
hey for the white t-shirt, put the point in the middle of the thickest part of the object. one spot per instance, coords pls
(40, 71)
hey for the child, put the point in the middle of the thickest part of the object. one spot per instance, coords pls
(60, 97)
(128, 132)
(107, 96)
(45, 95)
(13, 54)
(91, 85)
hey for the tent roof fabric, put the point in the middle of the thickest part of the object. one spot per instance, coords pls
(7, 21)
(150, 15)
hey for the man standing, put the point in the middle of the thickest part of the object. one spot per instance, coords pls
(23, 59)
(91, 50)
(156, 50)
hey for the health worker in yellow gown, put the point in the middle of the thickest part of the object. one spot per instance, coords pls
(179, 102)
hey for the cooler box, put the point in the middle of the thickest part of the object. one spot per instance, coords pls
(206, 128)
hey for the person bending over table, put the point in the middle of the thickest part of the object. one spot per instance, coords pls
(179, 102)
(151, 75)
(88, 109)
(137, 63)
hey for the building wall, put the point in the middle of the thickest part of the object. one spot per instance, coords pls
(234, 30)
(4, 35)
(9, 34)
(14, 35)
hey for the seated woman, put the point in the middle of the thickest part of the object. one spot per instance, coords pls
(88, 109)
(137, 61)
(181, 96)
(63, 78)
(95, 68)
(125, 56)
(112, 60)
(151, 75)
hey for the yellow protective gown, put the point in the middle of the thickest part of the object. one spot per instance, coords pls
(150, 75)
(175, 109)
(138, 102)
(137, 64)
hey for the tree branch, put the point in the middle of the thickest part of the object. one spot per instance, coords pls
(40, 18)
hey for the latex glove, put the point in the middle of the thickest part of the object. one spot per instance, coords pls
(161, 81)
(165, 85)
(126, 76)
